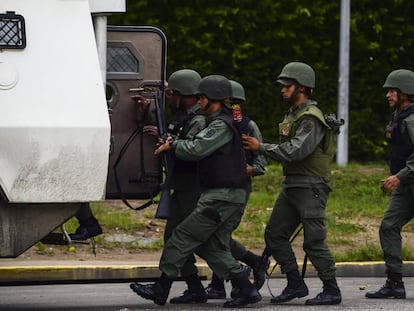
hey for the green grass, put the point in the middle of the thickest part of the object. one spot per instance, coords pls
(354, 212)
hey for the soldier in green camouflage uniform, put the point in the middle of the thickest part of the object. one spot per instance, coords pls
(186, 120)
(306, 155)
(399, 134)
(207, 230)
(255, 166)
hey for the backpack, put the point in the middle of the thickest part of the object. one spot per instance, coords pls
(329, 142)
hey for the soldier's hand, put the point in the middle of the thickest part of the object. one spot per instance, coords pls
(164, 146)
(249, 170)
(250, 143)
(390, 183)
(151, 130)
(141, 101)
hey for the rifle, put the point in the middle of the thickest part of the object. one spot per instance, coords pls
(164, 204)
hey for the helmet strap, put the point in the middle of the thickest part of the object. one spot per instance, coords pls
(209, 103)
(294, 95)
(399, 100)
(175, 106)
(296, 92)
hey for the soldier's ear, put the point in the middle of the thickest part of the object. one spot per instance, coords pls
(404, 96)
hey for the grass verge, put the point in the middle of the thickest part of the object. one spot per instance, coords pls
(354, 212)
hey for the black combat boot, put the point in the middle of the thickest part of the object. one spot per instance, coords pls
(235, 291)
(393, 288)
(157, 292)
(331, 295)
(88, 228)
(216, 290)
(195, 292)
(248, 293)
(296, 288)
(259, 265)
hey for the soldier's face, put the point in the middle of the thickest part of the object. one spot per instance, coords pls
(392, 97)
(172, 98)
(287, 91)
(290, 94)
(203, 101)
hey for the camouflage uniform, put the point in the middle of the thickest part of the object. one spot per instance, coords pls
(399, 134)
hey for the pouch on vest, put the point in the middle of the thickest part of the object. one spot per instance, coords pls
(329, 143)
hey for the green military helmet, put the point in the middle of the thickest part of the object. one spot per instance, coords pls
(402, 79)
(215, 87)
(184, 81)
(237, 90)
(302, 73)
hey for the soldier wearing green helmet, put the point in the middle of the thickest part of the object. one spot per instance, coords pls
(184, 81)
(207, 230)
(401, 79)
(399, 133)
(301, 73)
(186, 121)
(238, 91)
(306, 153)
(255, 166)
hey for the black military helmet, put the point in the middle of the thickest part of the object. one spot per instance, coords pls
(237, 90)
(402, 79)
(301, 73)
(184, 81)
(215, 87)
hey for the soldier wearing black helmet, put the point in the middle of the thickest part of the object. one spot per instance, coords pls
(306, 156)
(206, 231)
(399, 134)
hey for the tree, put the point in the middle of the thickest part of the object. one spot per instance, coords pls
(250, 41)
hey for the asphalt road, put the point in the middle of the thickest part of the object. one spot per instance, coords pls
(118, 296)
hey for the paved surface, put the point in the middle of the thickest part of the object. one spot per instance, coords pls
(119, 297)
(14, 272)
(99, 285)
(105, 286)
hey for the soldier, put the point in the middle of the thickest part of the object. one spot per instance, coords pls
(306, 154)
(255, 166)
(208, 228)
(186, 121)
(88, 225)
(399, 133)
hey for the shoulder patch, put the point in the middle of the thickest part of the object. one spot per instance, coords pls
(307, 126)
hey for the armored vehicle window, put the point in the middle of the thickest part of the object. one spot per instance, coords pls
(120, 59)
(123, 61)
(12, 31)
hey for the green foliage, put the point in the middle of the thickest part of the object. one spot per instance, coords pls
(43, 249)
(369, 252)
(250, 41)
(114, 218)
(354, 212)
(356, 191)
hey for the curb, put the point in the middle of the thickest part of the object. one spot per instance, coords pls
(69, 272)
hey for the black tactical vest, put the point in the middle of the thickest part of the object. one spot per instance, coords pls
(225, 167)
(400, 148)
(243, 127)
